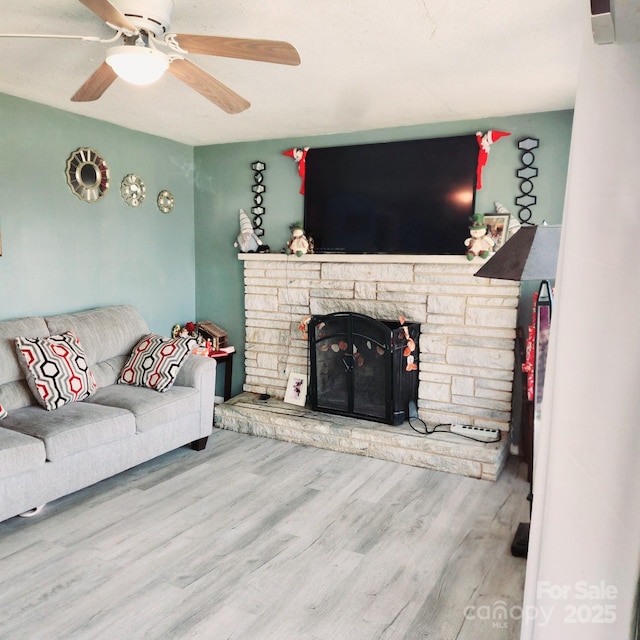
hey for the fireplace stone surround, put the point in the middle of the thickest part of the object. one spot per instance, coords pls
(468, 328)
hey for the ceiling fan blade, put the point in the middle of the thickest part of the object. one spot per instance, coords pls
(206, 85)
(274, 51)
(105, 10)
(99, 81)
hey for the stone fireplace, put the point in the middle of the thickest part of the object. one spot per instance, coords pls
(467, 335)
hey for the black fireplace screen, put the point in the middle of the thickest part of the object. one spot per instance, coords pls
(363, 367)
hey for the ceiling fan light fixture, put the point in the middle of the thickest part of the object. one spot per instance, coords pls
(137, 65)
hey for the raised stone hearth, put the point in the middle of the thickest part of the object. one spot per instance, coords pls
(272, 418)
(467, 336)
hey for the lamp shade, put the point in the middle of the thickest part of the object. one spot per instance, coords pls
(138, 65)
(530, 254)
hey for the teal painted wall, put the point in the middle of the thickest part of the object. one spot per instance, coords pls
(61, 254)
(223, 179)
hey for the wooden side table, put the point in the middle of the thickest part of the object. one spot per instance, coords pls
(226, 359)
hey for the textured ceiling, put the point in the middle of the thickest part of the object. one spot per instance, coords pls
(365, 64)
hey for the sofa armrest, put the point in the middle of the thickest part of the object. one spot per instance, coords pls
(195, 370)
(200, 372)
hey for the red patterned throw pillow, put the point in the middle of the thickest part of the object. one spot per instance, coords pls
(155, 362)
(3, 412)
(56, 369)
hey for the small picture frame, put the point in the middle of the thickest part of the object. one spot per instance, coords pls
(497, 228)
(296, 392)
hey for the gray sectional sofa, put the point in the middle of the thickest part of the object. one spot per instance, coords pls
(45, 455)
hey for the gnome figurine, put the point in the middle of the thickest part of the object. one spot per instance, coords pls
(247, 239)
(479, 244)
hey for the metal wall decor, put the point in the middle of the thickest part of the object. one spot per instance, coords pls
(526, 174)
(258, 189)
(87, 174)
(165, 201)
(132, 190)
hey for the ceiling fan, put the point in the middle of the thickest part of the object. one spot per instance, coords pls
(143, 26)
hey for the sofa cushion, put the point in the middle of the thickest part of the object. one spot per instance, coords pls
(155, 362)
(105, 332)
(108, 371)
(73, 428)
(19, 453)
(56, 369)
(150, 408)
(14, 392)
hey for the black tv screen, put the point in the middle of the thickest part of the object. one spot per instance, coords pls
(406, 197)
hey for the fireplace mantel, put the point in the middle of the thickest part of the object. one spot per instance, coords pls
(373, 258)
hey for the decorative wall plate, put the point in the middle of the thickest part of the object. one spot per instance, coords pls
(132, 190)
(165, 201)
(87, 174)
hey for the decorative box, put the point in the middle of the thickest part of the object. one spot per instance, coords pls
(213, 332)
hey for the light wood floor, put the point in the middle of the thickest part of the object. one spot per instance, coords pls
(257, 539)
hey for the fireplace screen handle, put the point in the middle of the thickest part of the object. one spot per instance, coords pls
(348, 365)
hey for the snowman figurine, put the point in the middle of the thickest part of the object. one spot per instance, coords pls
(479, 244)
(298, 242)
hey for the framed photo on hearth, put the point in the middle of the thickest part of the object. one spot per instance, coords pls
(497, 228)
(296, 392)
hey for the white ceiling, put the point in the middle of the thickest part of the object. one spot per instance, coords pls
(366, 64)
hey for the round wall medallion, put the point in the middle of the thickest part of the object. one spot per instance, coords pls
(132, 190)
(87, 174)
(165, 201)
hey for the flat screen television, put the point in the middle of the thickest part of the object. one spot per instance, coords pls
(405, 197)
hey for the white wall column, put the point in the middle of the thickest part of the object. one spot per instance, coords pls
(584, 555)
